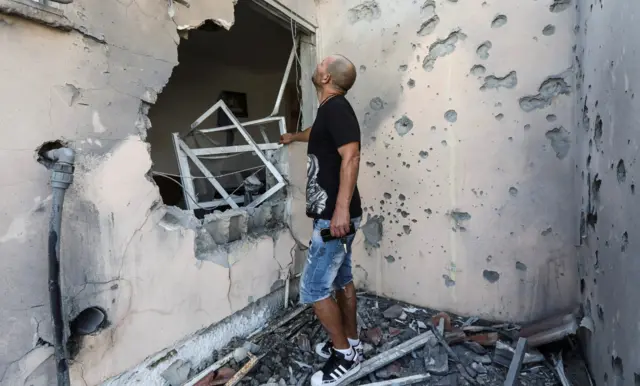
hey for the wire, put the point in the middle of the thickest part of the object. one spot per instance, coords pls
(297, 80)
(167, 176)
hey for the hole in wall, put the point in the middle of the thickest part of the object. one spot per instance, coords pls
(89, 321)
(617, 367)
(582, 286)
(636, 379)
(600, 313)
(214, 64)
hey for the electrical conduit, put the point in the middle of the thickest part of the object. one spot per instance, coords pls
(60, 161)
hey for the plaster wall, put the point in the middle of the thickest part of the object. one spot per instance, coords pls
(608, 113)
(92, 86)
(477, 205)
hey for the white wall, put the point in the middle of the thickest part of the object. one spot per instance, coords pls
(435, 264)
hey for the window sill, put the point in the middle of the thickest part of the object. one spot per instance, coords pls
(37, 12)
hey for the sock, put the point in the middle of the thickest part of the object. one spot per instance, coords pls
(349, 353)
(354, 342)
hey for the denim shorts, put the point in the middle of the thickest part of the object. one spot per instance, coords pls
(328, 266)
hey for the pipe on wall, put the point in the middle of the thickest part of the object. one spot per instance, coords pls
(60, 161)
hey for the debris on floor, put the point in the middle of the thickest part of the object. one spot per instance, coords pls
(403, 345)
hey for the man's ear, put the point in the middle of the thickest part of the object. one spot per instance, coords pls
(326, 79)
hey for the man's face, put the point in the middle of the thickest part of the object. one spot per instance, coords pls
(321, 76)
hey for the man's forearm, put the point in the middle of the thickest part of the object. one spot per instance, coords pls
(349, 168)
(302, 136)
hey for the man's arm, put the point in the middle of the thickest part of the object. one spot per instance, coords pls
(349, 167)
(301, 136)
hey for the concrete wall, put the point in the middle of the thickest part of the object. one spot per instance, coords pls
(92, 86)
(478, 214)
(607, 115)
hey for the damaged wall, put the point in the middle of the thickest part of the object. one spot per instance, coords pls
(607, 114)
(92, 86)
(466, 117)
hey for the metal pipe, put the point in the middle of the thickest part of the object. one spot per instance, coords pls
(60, 161)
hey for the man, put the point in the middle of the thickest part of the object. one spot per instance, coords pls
(333, 201)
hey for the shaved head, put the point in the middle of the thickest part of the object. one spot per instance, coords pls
(342, 71)
(335, 72)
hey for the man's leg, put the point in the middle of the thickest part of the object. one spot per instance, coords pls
(323, 262)
(348, 307)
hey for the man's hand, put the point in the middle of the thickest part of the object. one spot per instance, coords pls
(340, 222)
(286, 138)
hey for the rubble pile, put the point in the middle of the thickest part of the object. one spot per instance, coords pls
(402, 345)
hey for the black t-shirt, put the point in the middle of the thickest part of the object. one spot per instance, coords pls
(336, 125)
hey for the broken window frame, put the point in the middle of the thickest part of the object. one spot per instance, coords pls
(184, 153)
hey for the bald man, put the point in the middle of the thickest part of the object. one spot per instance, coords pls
(333, 202)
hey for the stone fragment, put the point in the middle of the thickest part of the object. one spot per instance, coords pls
(479, 368)
(393, 312)
(392, 370)
(373, 336)
(475, 347)
(436, 360)
(177, 373)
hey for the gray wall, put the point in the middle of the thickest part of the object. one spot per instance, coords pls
(607, 119)
(505, 165)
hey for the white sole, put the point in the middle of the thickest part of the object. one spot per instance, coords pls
(348, 375)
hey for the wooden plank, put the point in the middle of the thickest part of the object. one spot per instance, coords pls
(516, 363)
(383, 359)
(402, 381)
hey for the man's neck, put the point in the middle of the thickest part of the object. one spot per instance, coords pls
(326, 94)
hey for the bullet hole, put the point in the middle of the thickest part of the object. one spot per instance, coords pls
(403, 68)
(448, 281)
(367, 11)
(546, 232)
(491, 276)
(606, 376)
(625, 241)
(370, 164)
(390, 259)
(559, 5)
(376, 104)
(428, 7)
(633, 188)
(477, 70)
(527, 126)
(411, 83)
(551, 118)
(403, 125)
(363, 69)
(443, 143)
(373, 230)
(459, 218)
(423, 154)
(428, 211)
(404, 214)
(582, 287)
(597, 134)
(621, 172)
(499, 117)
(548, 90)
(499, 21)
(428, 26)
(636, 379)
(406, 229)
(513, 191)
(521, 266)
(549, 30)
(433, 128)
(618, 368)
(387, 195)
(483, 50)
(560, 142)
(493, 82)
(600, 313)
(451, 116)
(442, 48)
(402, 197)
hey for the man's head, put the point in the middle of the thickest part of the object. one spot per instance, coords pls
(335, 72)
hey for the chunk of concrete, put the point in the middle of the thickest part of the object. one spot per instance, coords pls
(393, 312)
(227, 226)
(177, 373)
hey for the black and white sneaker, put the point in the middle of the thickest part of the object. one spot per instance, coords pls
(336, 370)
(325, 349)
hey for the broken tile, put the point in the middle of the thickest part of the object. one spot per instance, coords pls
(486, 339)
(475, 347)
(392, 370)
(373, 336)
(393, 332)
(436, 360)
(217, 377)
(447, 320)
(393, 312)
